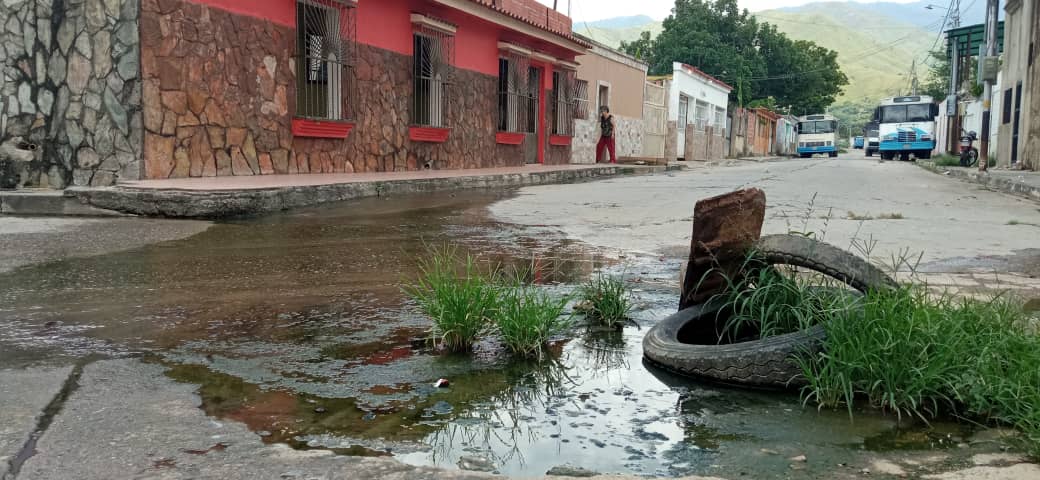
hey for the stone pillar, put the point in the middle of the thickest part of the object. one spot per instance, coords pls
(72, 86)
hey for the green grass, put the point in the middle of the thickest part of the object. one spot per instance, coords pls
(946, 160)
(606, 300)
(467, 303)
(768, 302)
(460, 300)
(916, 354)
(528, 318)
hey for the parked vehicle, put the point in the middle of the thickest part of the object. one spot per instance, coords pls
(872, 142)
(907, 127)
(969, 154)
(817, 134)
(857, 142)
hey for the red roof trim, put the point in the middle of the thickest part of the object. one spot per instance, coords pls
(698, 72)
(567, 35)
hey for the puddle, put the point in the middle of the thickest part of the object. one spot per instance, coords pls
(295, 325)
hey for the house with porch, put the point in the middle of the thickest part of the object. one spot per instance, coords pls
(153, 89)
(697, 111)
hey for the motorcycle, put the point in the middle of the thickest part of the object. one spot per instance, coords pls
(969, 154)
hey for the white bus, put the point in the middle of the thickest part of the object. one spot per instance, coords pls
(906, 126)
(817, 134)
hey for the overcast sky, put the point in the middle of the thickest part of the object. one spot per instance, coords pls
(590, 10)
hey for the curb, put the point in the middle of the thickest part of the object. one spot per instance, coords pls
(215, 204)
(1003, 185)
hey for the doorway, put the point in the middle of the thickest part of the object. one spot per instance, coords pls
(1016, 122)
(531, 146)
(680, 127)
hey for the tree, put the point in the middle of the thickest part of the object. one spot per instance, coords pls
(937, 85)
(639, 48)
(759, 61)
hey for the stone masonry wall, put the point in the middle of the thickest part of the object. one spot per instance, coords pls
(628, 141)
(71, 85)
(219, 97)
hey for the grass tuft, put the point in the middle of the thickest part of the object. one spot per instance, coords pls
(460, 300)
(917, 354)
(855, 216)
(946, 160)
(606, 300)
(890, 216)
(528, 318)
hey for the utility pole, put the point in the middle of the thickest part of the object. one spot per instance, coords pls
(952, 107)
(913, 78)
(987, 93)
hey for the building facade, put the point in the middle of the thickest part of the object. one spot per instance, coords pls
(1018, 116)
(697, 111)
(616, 80)
(754, 133)
(131, 89)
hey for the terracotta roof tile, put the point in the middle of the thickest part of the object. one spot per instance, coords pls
(567, 35)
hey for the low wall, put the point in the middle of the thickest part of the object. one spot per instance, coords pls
(628, 139)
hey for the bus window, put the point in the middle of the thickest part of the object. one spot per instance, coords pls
(921, 112)
(829, 126)
(893, 114)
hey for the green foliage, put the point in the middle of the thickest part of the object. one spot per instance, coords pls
(528, 318)
(947, 160)
(937, 84)
(639, 48)
(461, 303)
(757, 59)
(769, 302)
(605, 299)
(919, 354)
(466, 303)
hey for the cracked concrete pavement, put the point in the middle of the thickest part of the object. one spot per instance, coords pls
(969, 239)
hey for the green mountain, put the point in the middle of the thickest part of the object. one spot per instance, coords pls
(875, 49)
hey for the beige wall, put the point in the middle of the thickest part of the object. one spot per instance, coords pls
(625, 81)
(1017, 36)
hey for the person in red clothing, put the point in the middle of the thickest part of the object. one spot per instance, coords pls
(606, 134)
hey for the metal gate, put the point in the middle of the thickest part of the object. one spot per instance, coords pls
(655, 120)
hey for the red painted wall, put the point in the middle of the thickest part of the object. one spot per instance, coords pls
(282, 12)
(387, 24)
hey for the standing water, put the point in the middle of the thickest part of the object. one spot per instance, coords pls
(295, 324)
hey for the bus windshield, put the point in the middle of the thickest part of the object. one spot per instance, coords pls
(826, 126)
(921, 112)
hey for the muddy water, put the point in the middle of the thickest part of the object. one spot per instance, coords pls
(295, 324)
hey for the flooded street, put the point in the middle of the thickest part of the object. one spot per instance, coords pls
(296, 325)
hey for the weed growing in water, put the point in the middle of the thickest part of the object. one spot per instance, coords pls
(461, 301)
(771, 302)
(527, 318)
(606, 300)
(922, 355)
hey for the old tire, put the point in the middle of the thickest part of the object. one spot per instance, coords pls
(766, 363)
(801, 251)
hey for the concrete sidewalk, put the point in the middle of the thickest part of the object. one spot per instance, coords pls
(1022, 183)
(220, 197)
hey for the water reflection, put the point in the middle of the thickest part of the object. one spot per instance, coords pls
(295, 325)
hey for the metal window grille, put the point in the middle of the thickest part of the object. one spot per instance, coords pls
(564, 102)
(581, 98)
(434, 76)
(517, 100)
(326, 55)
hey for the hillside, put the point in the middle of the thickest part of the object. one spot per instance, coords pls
(875, 48)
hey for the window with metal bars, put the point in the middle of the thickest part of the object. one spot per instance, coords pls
(565, 102)
(433, 76)
(517, 97)
(581, 99)
(326, 53)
